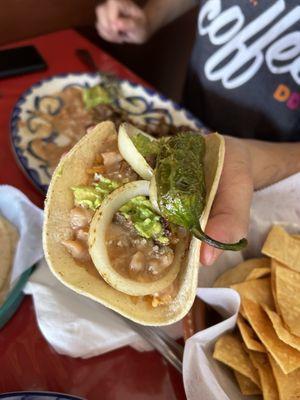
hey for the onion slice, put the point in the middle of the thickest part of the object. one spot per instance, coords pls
(130, 153)
(153, 195)
(97, 246)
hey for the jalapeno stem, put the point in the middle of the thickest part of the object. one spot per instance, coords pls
(199, 234)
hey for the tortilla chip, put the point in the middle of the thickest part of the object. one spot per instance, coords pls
(267, 380)
(239, 273)
(241, 311)
(283, 247)
(286, 356)
(8, 242)
(5, 253)
(258, 290)
(249, 337)
(257, 273)
(281, 330)
(288, 384)
(274, 264)
(247, 387)
(288, 297)
(230, 351)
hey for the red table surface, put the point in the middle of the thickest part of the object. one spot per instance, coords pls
(27, 362)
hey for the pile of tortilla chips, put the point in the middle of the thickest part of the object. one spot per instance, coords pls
(264, 352)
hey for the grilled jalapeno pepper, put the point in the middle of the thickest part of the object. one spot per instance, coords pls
(180, 182)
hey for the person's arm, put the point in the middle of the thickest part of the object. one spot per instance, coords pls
(248, 165)
(272, 162)
(122, 21)
(162, 12)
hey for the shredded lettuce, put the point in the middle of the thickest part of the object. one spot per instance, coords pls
(92, 196)
(146, 146)
(96, 95)
(145, 220)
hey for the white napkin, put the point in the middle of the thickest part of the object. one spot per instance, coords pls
(28, 219)
(205, 378)
(77, 326)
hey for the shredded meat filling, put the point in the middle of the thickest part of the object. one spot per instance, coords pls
(111, 158)
(139, 258)
(111, 165)
(119, 219)
(80, 217)
(77, 249)
(131, 255)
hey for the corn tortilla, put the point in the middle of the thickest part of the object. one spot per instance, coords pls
(8, 241)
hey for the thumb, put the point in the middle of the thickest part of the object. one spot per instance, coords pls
(226, 228)
(229, 218)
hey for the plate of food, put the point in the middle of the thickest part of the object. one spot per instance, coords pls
(54, 113)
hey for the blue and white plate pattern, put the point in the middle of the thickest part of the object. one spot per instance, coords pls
(37, 396)
(143, 106)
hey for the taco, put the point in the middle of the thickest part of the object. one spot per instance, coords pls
(122, 217)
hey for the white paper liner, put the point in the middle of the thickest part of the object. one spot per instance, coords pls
(77, 326)
(28, 219)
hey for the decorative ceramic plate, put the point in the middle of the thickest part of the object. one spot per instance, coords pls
(39, 104)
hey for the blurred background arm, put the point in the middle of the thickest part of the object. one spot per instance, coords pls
(272, 162)
(153, 61)
(121, 21)
(162, 12)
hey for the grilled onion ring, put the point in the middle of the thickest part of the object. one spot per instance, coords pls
(130, 153)
(98, 251)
